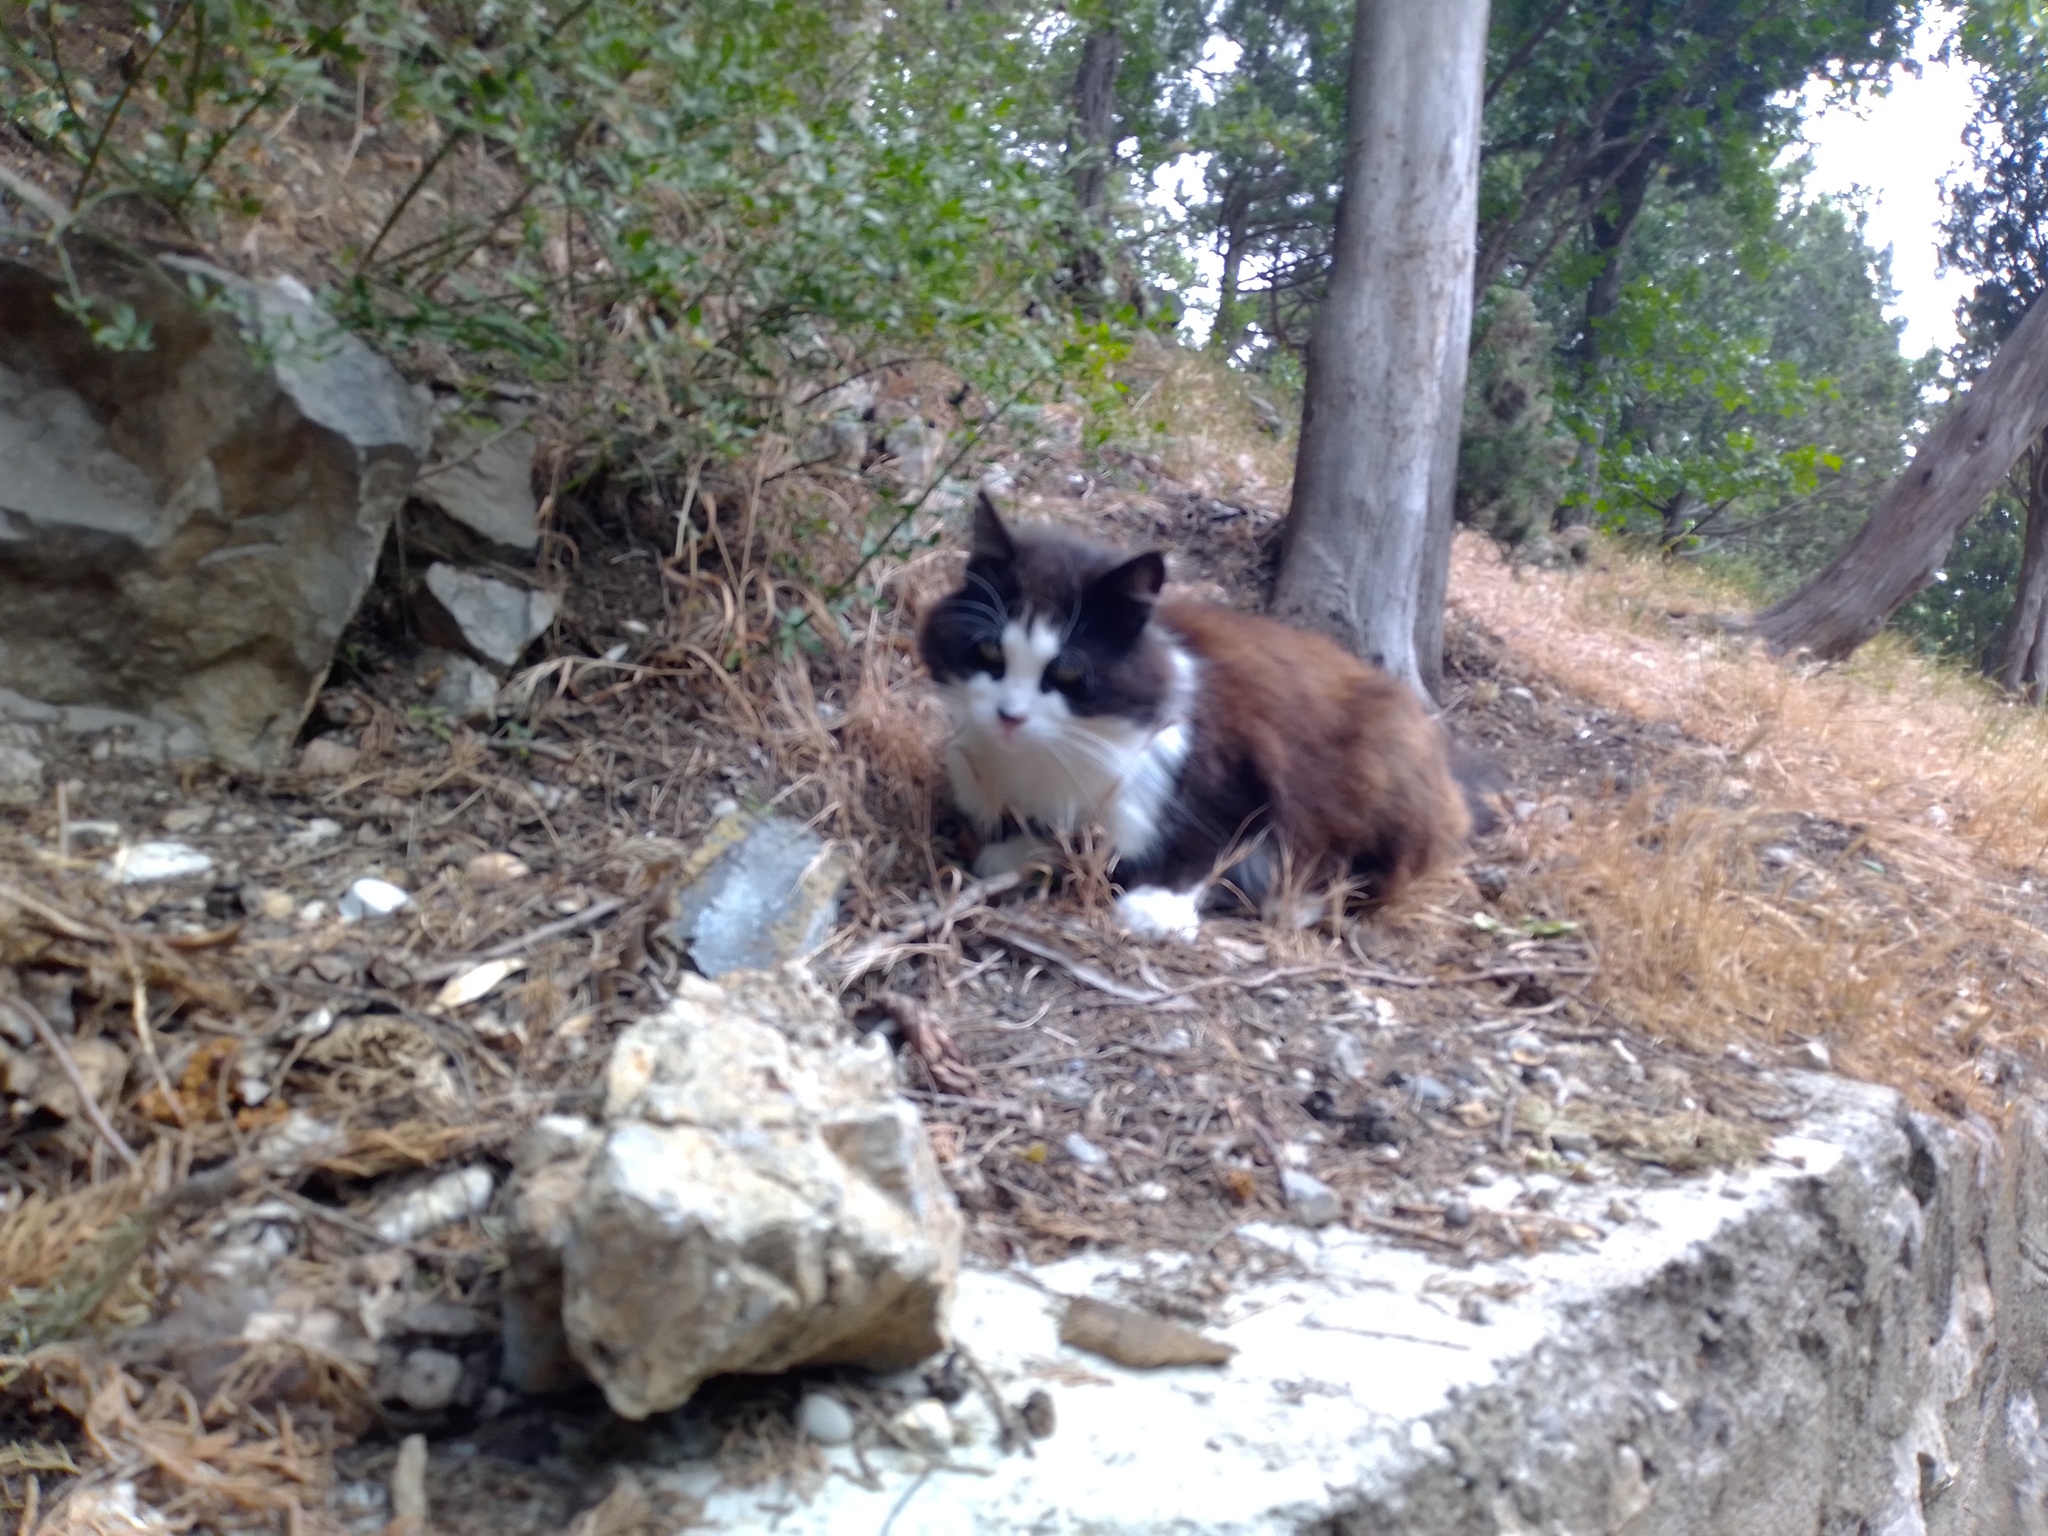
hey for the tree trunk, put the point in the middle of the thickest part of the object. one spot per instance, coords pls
(1089, 148)
(1228, 334)
(1366, 552)
(1894, 554)
(2023, 664)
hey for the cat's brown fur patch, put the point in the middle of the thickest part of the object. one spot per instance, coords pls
(1357, 773)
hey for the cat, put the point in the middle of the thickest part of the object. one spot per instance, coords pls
(1219, 751)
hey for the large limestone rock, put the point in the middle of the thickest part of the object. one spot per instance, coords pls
(185, 530)
(759, 1197)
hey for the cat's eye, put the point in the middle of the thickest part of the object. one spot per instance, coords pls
(990, 655)
(1064, 674)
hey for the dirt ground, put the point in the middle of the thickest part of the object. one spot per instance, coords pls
(1080, 1090)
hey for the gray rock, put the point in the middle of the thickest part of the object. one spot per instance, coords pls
(463, 688)
(482, 472)
(184, 531)
(762, 1198)
(1313, 1202)
(756, 894)
(824, 1419)
(428, 1379)
(493, 619)
(21, 768)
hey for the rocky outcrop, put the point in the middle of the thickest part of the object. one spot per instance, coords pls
(758, 1197)
(185, 530)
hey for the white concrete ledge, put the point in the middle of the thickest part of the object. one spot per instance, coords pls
(1846, 1339)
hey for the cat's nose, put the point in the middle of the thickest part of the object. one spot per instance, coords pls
(1008, 719)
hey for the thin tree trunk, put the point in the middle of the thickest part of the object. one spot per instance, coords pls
(1366, 551)
(1102, 55)
(1228, 334)
(2023, 665)
(1896, 552)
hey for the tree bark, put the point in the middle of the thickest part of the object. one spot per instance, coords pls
(1365, 555)
(1102, 55)
(2023, 663)
(1228, 334)
(1896, 552)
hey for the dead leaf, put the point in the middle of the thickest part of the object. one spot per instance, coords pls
(1135, 1338)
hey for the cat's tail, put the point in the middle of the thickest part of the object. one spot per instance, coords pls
(1481, 780)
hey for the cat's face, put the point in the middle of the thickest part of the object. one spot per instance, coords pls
(1047, 633)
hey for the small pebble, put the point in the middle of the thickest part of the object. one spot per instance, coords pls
(371, 899)
(925, 1427)
(1038, 1414)
(428, 1379)
(1427, 1090)
(146, 862)
(1313, 1202)
(494, 869)
(1348, 1058)
(1084, 1151)
(824, 1419)
(1151, 1194)
(1457, 1212)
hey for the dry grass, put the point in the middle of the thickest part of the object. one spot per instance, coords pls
(1845, 862)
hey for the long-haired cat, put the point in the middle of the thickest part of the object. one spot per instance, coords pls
(1211, 745)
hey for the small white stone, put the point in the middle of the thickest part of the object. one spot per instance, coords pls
(146, 862)
(1084, 1151)
(371, 899)
(1151, 1194)
(824, 1419)
(925, 1427)
(1816, 1053)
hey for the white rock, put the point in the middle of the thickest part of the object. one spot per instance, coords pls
(141, 863)
(370, 898)
(1313, 1202)
(825, 1419)
(495, 619)
(433, 1206)
(925, 1427)
(763, 1198)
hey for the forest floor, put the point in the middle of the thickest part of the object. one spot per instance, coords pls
(1710, 866)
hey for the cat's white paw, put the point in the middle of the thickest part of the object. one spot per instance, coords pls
(1011, 855)
(1153, 912)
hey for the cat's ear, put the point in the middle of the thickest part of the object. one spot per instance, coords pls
(1136, 581)
(992, 540)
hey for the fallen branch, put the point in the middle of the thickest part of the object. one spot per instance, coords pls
(971, 895)
(1073, 965)
(597, 910)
